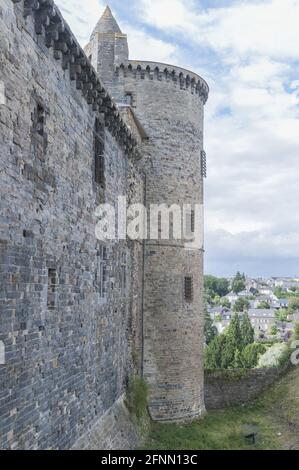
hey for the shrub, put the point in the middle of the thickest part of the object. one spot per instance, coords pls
(274, 355)
(251, 354)
(137, 397)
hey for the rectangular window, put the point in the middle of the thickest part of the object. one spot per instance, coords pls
(123, 280)
(52, 288)
(39, 137)
(39, 120)
(99, 162)
(189, 223)
(129, 99)
(188, 289)
(99, 150)
(102, 272)
(192, 221)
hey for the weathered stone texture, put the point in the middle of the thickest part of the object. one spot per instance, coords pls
(69, 350)
(65, 366)
(113, 431)
(171, 112)
(223, 389)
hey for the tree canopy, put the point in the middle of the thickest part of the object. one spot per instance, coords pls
(238, 283)
(216, 286)
(209, 329)
(235, 348)
(241, 305)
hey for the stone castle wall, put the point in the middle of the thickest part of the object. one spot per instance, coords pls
(236, 387)
(66, 366)
(69, 349)
(171, 113)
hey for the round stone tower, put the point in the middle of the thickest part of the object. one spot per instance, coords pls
(169, 103)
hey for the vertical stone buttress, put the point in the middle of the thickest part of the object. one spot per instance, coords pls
(169, 102)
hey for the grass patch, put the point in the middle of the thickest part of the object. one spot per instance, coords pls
(275, 415)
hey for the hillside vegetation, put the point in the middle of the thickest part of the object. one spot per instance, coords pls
(274, 417)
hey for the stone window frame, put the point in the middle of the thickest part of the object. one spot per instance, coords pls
(39, 136)
(102, 272)
(123, 271)
(132, 101)
(52, 285)
(190, 222)
(188, 288)
(99, 154)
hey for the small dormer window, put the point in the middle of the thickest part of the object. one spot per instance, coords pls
(129, 99)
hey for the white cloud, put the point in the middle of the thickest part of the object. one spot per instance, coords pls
(265, 27)
(146, 47)
(82, 16)
(252, 116)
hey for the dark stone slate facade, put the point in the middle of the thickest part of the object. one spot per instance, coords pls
(78, 317)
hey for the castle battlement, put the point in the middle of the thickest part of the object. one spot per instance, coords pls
(50, 25)
(94, 310)
(187, 80)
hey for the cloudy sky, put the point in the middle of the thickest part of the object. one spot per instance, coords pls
(248, 51)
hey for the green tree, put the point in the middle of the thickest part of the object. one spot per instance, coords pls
(225, 303)
(238, 360)
(241, 304)
(281, 315)
(274, 330)
(218, 318)
(293, 305)
(216, 286)
(251, 354)
(238, 283)
(233, 342)
(279, 293)
(247, 331)
(213, 352)
(264, 305)
(234, 331)
(210, 329)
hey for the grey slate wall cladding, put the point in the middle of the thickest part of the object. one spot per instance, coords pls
(169, 102)
(173, 330)
(69, 353)
(65, 367)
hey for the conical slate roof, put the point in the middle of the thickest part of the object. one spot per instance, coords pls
(107, 23)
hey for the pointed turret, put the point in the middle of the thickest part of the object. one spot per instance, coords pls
(107, 23)
(107, 49)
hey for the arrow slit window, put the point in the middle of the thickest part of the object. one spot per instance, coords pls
(188, 289)
(99, 154)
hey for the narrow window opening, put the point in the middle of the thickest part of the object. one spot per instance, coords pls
(102, 272)
(52, 288)
(192, 221)
(123, 281)
(38, 131)
(99, 155)
(188, 289)
(129, 98)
